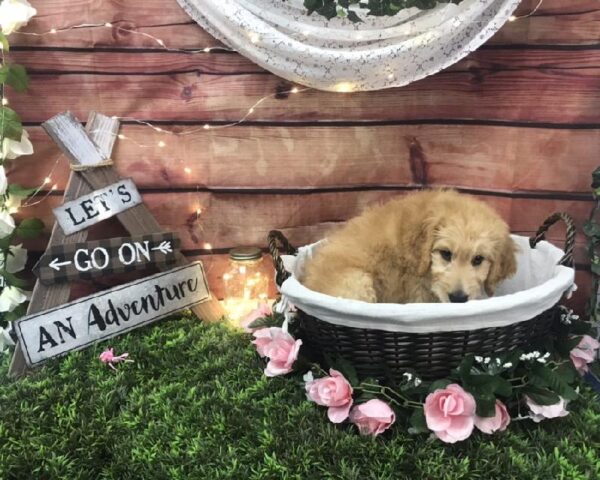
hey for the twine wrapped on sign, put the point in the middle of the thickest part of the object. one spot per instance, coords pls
(77, 167)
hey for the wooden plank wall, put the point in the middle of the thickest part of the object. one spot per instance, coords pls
(516, 123)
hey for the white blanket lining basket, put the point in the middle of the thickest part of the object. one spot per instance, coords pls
(539, 284)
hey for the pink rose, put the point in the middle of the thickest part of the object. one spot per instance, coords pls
(585, 352)
(334, 392)
(279, 347)
(450, 413)
(263, 310)
(541, 412)
(497, 423)
(372, 417)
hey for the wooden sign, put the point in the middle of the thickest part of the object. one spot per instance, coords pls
(99, 205)
(87, 260)
(78, 324)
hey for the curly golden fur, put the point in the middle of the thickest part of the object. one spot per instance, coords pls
(429, 246)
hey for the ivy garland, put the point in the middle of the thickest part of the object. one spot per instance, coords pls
(592, 231)
(14, 141)
(378, 8)
(517, 385)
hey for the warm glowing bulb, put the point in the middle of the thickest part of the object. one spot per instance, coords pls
(254, 37)
(5, 101)
(162, 144)
(108, 24)
(160, 42)
(390, 76)
(47, 180)
(53, 30)
(251, 110)
(242, 269)
(54, 187)
(121, 136)
(198, 211)
(344, 87)
(207, 246)
(227, 277)
(512, 18)
(294, 90)
(187, 170)
(206, 126)
(158, 129)
(207, 50)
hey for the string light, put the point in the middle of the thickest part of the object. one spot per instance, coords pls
(5, 101)
(162, 144)
(512, 18)
(187, 170)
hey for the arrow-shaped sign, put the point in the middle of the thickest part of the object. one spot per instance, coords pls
(105, 257)
(55, 264)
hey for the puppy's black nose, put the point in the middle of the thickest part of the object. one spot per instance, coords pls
(458, 297)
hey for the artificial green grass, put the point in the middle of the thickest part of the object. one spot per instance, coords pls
(196, 405)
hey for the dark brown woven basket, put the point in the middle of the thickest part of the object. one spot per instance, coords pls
(387, 355)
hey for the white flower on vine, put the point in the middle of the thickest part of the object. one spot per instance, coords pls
(11, 297)
(16, 259)
(12, 149)
(3, 181)
(7, 224)
(15, 14)
(5, 340)
(478, 359)
(507, 365)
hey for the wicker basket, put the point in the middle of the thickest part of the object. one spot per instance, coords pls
(386, 355)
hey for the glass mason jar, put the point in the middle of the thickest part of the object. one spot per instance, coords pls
(246, 282)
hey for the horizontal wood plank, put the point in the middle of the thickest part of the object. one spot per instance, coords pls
(504, 159)
(557, 22)
(125, 62)
(549, 96)
(233, 219)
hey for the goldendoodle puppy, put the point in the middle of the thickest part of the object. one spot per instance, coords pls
(429, 246)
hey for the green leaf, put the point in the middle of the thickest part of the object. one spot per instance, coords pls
(275, 320)
(486, 405)
(19, 191)
(19, 311)
(543, 376)
(541, 396)
(417, 421)
(12, 280)
(591, 228)
(353, 17)
(439, 384)
(29, 228)
(4, 42)
(10, 124)
(5, 242)
(15, 76)
(313, 5)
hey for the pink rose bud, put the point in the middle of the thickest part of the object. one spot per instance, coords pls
(263, 310)
(585, 352)
(497, 423)
(541, 412)
(334, 392)
(279, 347)
(450, 413)
(372, 417)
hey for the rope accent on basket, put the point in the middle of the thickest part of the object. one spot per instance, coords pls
(275, 238)
(567, 259)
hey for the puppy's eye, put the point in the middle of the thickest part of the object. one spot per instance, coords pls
(446, 255)
(478, 260)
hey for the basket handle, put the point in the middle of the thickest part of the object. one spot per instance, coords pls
(278, 245)
(567, 259)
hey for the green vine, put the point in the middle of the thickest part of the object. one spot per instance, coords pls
(14, 142)
(377, 8)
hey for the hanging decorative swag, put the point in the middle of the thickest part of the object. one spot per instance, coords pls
(340, 53)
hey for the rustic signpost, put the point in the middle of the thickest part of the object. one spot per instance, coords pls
(87, 260)
(109, 313)
(88, 193)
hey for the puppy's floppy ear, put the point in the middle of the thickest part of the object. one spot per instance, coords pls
(503, 266)
(422, 242)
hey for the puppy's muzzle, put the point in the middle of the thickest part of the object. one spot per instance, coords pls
(458, 297)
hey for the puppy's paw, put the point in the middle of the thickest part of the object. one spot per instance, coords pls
(357, 285)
